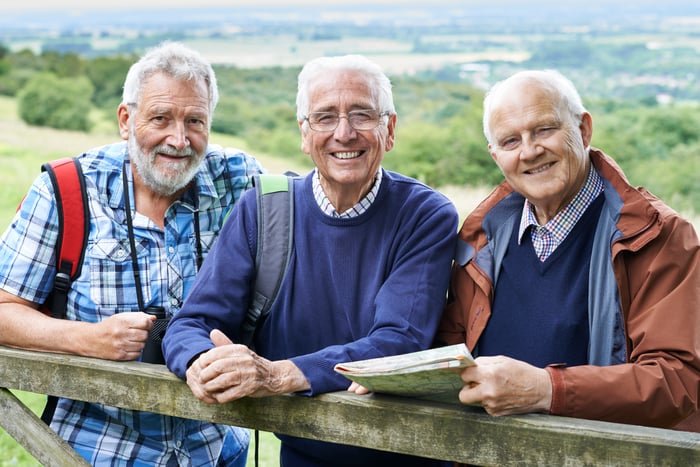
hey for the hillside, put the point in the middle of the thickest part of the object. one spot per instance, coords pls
(23, 149)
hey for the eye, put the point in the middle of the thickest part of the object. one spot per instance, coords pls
(159, 120)
(363, 115)
(323, 117)
(546, 131)
(509, 143)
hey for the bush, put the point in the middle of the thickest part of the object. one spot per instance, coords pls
(62, 103)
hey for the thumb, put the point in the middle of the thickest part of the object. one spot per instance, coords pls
(219, 338)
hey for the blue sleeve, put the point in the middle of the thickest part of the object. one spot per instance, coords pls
(27, 247)
(220, 294)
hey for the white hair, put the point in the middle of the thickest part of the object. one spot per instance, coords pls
(175, 60)
(379, 82)
(562, 91)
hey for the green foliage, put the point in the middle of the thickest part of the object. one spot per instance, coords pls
(658, 147)
(107, 75)
(439, 136)
(62, 103)
(63, 65)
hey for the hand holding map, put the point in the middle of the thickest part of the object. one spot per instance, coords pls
(427, 374)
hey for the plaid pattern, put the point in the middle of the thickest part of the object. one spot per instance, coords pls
(546, 238)
(167, 263)
(327, 207)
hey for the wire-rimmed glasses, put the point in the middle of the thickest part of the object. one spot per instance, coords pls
(364, 119)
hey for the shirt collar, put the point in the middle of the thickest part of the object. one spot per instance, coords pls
(360, 208)
(564, 221)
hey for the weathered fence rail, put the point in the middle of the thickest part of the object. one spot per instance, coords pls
(457, 433)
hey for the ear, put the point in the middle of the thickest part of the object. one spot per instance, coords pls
(123, 116)
(586, 128)
(391, 133)
(492, 153)
(305, 138)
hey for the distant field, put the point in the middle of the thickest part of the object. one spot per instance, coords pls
(394, 56)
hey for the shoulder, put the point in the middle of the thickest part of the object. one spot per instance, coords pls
(104, 157)
(235, 161)
(407, 190)
(410, 186)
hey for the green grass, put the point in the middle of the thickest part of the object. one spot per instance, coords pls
(11, 453)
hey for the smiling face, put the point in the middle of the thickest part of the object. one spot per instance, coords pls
(347, 159)
(168, 132)
(540, 150)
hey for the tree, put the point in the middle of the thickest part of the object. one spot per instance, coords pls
(107, 75)
(62, 103)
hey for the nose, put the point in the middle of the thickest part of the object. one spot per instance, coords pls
(344, 131)
(530, 148)
(178, 136)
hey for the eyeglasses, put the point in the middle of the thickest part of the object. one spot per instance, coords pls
(366, 119)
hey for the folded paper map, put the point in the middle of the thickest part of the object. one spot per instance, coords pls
(428, 374)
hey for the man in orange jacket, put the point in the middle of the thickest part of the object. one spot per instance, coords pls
(579, 294)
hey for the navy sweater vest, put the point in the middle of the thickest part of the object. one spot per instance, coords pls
(540, 309)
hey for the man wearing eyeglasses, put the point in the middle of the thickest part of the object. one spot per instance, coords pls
(367, 275)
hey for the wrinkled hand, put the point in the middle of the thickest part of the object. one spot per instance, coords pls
(230, 371)
(504, 386)
(121, 336)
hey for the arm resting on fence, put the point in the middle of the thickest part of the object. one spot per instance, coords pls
(450, 432)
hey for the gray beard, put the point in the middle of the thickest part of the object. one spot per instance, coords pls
(161, 182)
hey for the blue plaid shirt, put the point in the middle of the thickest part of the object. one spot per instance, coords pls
(167, 264)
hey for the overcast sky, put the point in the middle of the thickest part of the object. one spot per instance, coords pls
(19, 5)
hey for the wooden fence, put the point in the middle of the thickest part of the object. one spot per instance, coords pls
(450, 432)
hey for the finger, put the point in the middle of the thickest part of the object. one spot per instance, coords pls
(219, 338)
(470, 394)
(200, 393)
(361, 390)
(220, 380)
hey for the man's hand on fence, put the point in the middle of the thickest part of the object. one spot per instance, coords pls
(230, 371)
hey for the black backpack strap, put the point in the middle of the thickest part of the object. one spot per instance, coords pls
(275, 201)
(73, 225)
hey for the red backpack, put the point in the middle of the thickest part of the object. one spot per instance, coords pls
(73, 226)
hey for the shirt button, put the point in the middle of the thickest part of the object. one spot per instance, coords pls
(178, 443)
(171, 250)
(173, 301)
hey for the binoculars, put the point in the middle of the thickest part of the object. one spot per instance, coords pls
(152, 352)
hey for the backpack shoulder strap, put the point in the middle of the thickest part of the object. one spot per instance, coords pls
(73, 224)
(275, 201)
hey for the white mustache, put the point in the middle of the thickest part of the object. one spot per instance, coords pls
(170, 151)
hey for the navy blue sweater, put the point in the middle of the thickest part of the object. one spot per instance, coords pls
(540, 308)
